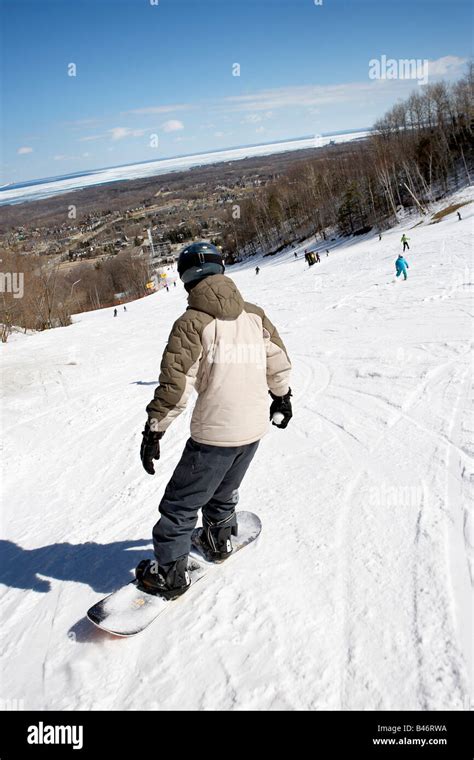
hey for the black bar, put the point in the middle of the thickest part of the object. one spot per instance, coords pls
(350, 734)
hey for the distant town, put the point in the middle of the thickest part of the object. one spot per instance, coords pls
(150, 218)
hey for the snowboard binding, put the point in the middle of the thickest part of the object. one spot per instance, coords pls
(215, 538)
(169, 582)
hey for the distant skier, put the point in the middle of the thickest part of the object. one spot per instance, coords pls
(229, 419)
(296, 255)
(167, 288)
(125, 308)
(401, 265)
(380, 236)
(257, 270)
(115, 312)
(404, 240)
(327, 254)
(174, 283)
(459, 216)
(318, 259)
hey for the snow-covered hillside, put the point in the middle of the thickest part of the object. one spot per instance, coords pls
(357, 595)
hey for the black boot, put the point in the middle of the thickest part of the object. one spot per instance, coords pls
(169, 581)
(215, 538)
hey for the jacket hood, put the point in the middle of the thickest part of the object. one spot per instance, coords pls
(218, 296)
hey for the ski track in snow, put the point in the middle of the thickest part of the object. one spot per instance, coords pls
(357, 594)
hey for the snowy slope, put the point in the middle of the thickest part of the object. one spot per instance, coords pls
(358, 593)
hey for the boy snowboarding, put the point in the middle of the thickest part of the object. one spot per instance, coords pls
(230, 352)
(404, 240)
(401, 265)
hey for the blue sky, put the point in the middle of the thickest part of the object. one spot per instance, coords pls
(166, 70)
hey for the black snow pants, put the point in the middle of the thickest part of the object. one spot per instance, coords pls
(207, 478)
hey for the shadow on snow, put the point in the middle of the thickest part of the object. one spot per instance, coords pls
(103, 567)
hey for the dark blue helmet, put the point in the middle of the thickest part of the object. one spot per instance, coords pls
(199, 260)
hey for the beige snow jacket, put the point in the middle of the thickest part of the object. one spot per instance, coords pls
(230, 352)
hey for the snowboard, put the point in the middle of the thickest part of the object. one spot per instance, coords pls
(130, 610)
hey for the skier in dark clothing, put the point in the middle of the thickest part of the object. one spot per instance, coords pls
(318, 259)
(230, 416)
(296, 255)
(459, 216)
(115, 312)
(257, 270)
(125, 308)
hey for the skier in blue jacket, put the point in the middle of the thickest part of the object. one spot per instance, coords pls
(401, 265)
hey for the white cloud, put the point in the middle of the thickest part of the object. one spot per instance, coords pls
(64, 157)
(83, 123)
(172, 126)
(259, 130)
(159, 109)
(251, 118)
(315, 96)
(299, 96)
(24, 150)
(119, 133)
(219, 134)
(116, 133)
(447, 66)
(255, 118)
(88, 138)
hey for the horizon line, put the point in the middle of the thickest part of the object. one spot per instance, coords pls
(13, 185)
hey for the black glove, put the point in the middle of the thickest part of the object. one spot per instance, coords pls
(150, 448)
(281, 404)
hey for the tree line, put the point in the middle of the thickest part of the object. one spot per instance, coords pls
(50, 293)
(418, 151)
